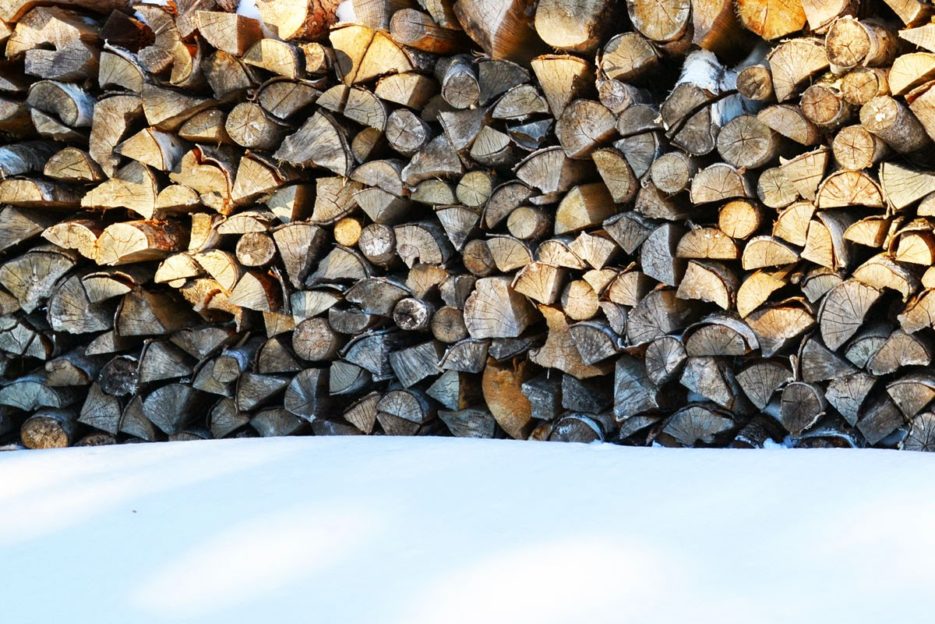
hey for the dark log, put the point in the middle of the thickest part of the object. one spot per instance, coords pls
(697, 423)
(173, 406)
(403, 412)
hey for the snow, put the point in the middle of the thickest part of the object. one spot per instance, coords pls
(345, 12)
(433, 530)
(248, 8)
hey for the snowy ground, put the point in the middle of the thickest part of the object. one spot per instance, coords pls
(444, 531)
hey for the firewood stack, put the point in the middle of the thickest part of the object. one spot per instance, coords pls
(674, 222)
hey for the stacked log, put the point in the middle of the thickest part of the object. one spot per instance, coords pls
(667, 222)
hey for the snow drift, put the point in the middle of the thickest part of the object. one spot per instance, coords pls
(432, 530)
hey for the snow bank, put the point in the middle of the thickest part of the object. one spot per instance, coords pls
(445, 531)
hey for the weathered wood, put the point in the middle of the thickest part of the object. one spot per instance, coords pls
(495, 310)
(880, 419)
(425, 222)
(921, 434)
(321, 142)
(842, 311)
(403, 412)
(747, 142)
(850, 42)
(760, 380)
(905, 186)
(795, 61)
(755, 83)
(419, 30)
(848, 393)
(890, 120)
(801, 406)
(899, 350)
(173, 406)
(255, 390)
(777, 326)
(499, 28)
(657, 314)
(583, 125)
(697, 423)
(862, 84)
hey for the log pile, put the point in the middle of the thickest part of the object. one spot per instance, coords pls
(671, 222)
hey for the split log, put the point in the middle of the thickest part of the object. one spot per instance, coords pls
(404, 412)
(697, 423)
(499, 28)
(760, 381)
(583, 125)
(502, 386)
(801, 406)
(172, 407)
(100, 410)
(920, 436)
(880, 419)
(657, 314)
(795, 61)
(136, 241)
(495, 310)
(842, 311)
(298, 20)
(777, 326)
(470, 422)
(419, 30)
